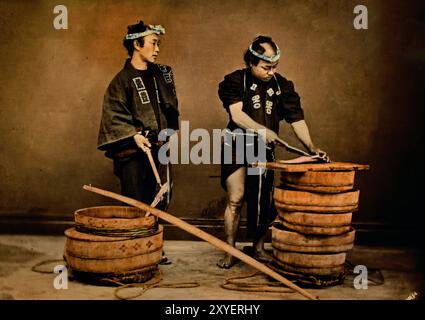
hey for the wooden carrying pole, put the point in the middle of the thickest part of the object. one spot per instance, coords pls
(204, 236)
(155, 170)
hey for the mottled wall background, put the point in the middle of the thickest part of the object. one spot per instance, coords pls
(361, 91)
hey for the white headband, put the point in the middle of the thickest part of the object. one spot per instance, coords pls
(272, 58)
(158, 29)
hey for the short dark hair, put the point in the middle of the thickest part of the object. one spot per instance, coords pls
(135, 28)
(249, 58)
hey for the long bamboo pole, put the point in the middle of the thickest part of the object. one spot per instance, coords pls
(204, 236)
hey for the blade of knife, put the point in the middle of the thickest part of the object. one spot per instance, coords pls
(291, 148)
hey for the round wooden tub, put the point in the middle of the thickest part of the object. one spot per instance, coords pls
(286, 240)
(319, 181)
(315, 223)
(304, 201)
(310, 264)
(114, 221)
(101, 254)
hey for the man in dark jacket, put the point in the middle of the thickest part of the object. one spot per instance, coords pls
(139, 102)
(256, 99)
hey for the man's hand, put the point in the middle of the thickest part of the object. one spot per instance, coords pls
(322, 154)
(269, 135)
(142, 142)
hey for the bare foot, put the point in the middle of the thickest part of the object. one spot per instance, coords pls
(226, 262)
(262, 255)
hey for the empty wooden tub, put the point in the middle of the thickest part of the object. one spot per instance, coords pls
(103, 254)
(113, 244)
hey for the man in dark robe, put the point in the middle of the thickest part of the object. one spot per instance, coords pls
(256, 98)
(140, 102)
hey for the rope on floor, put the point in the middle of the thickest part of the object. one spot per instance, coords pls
(35, 268)
(374, 275)
(238, 284)
(150, 284)
(233, 283)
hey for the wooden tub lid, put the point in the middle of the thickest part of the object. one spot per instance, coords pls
(303, 167)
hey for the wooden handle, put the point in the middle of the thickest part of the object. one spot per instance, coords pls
(155, 171)
(204, 236)
(158, 197)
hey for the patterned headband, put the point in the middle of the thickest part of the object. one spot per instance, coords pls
(158, 29)
(272, 58)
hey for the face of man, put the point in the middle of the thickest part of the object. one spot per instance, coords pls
(265, 70)
(150, 50)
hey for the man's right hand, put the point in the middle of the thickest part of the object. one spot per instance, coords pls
(142, 142)
(320, 153)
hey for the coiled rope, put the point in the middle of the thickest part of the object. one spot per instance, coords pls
(240, 283)
(237, 284)
(150, 284)
(113, 232)
(155, 277)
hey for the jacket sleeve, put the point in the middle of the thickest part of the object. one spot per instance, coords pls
(169, 97)
(290, 104)
(117, 120)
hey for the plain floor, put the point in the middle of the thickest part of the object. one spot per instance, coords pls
(195, 261)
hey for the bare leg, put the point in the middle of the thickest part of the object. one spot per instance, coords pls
(259, 252)
(235, 184)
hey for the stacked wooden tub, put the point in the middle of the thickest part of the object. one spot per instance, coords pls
(113, 245)
(313, 231)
